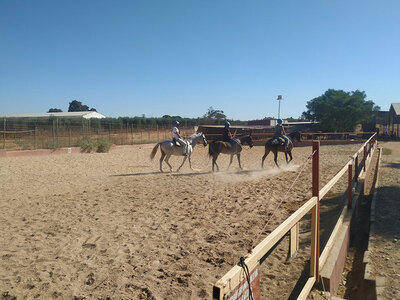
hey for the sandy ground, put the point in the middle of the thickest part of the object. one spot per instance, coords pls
(112, 226)
(385, 243)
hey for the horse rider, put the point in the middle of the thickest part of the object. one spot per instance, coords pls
(227, 136)
(177, 137)
(280, 132)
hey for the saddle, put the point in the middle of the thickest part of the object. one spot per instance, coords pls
(175, 142)
(230, 145)
(277, 141)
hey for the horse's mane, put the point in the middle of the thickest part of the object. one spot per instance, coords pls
(242, 136)
(295, 135)
(195, 135)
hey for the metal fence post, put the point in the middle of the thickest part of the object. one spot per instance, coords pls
(54, 134)
(133, 140)
(35, 139)
(4, 133)
(69, 138)
(127, 133)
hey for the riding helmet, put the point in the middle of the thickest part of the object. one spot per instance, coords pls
(279, 121)
(175, 123)
(227, 123)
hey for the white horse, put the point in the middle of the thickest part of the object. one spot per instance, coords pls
(168, 148)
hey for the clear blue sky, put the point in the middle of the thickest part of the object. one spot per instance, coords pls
(128, 58)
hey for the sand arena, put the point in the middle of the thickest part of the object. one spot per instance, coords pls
(111, 225)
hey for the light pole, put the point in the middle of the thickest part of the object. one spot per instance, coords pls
(279, 107)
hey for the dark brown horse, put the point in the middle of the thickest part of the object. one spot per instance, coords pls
(218, 147)
(276, 146)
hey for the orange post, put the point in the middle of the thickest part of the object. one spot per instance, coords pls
(356, 169)
(314, 265)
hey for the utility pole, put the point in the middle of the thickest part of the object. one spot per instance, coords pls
(279, 107)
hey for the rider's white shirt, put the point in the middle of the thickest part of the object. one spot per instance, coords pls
(175, 130)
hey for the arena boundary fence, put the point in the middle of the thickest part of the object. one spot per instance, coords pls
(306, 138)
(243, 280)
(54, 137)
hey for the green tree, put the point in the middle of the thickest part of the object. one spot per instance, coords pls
(76, 105)
(54, 110)
(291, 119)
(215, 114)
(337, 110)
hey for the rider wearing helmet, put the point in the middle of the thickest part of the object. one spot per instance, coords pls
(227, 136)
(177, 137)
(280, 132)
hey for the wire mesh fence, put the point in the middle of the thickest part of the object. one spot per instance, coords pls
(53, 136)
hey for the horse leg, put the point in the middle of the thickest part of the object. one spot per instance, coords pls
(265, 155)
(276, 158)
(184, 159)
(190, 163)
(238, 158)
(214, 162)
(166, 160)
(286, 157)
(161, 160)
(291, 157)
(230, 162)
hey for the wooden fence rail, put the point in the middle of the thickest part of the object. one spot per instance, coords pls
(234, 284)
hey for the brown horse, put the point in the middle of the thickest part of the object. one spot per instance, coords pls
(218, 147)
(276, 146)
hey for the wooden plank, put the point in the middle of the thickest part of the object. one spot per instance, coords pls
(314, 242)
(336, 133)
(349, 185)
(294, 241)
(335, 179)
(365, 158)
(362, 148)
(233, 278)
(324, 255)
(242, 291)
(306, 289)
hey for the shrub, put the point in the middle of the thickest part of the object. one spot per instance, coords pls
(386, 151)
(103, 146)
(53, 146)
(87, 145)
(100, 146)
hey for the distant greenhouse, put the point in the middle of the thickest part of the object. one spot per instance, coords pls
(64, 115)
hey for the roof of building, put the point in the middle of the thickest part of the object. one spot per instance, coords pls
(396, 107)
(382, 112)
(74, 114)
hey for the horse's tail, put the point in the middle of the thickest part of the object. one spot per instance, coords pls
(154, 151)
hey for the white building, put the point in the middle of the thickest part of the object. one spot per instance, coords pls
(64, 115)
